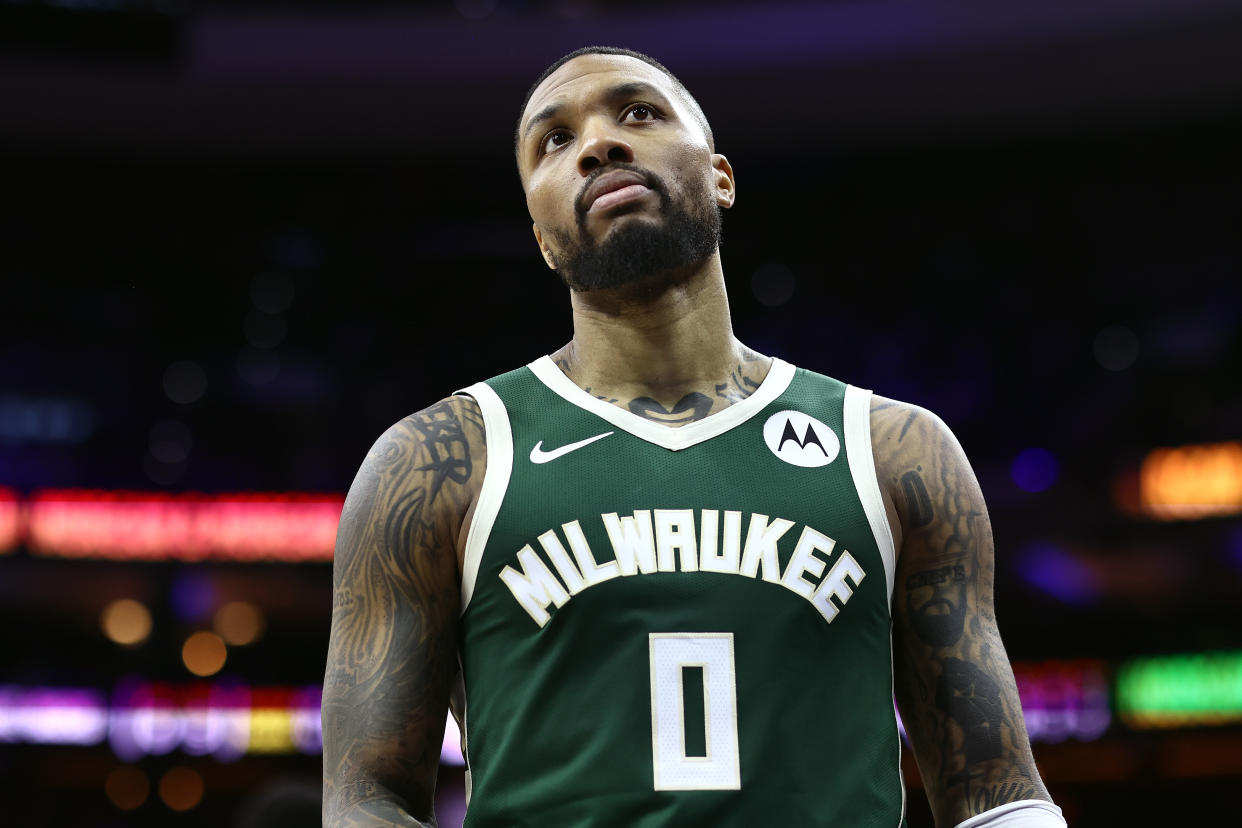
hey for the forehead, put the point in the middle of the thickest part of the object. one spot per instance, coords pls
(587, 74)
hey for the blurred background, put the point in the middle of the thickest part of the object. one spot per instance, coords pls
(238, 240)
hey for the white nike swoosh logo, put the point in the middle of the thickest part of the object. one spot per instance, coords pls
(538, 455)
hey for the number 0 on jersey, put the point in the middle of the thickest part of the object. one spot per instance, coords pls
(694, 712)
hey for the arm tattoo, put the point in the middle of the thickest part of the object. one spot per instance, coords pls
(953, 681)
(936, 604)
(392, 649)
(918, 502)
(988, 798)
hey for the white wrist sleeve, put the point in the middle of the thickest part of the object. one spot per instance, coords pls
(1026, 813)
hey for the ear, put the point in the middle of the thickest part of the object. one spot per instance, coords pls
(543, 247)
(726, 187)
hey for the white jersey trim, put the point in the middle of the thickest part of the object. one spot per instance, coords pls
(1025, 813)
(674, 438)
(862, 468)
(897, 725)
(499, 436)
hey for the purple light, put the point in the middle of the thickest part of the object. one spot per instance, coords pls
(1235, 549)
(1052, 570)
(306, 726)
(193, 597)
(143, 721)
(152, 718)
(1062, 700)
(52, 716)
(1034, 470)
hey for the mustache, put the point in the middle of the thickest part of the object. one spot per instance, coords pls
(652, 181)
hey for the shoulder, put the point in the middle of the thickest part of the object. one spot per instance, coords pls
(445, 439)
(422, 473)
(918, 460)
(900, 430)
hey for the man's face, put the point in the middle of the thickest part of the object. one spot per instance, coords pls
(619, 177)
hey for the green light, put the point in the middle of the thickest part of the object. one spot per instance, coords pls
(1203, 688)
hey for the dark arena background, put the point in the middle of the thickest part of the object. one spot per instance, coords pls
(238, 240)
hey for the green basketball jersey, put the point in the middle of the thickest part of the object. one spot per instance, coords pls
(679, 626)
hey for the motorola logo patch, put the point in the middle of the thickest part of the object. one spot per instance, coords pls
(801, 440)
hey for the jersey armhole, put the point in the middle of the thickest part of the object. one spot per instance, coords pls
(499, 438)
(857, 415)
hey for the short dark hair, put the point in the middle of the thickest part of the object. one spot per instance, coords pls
(696, 110)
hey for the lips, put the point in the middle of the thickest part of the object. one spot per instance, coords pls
(614, 188)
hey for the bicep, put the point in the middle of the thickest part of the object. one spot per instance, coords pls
(393, 643)
(954, 685)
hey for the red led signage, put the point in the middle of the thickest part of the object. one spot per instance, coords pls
(74, 523)
(10, 523)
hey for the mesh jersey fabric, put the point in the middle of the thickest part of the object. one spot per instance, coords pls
(656, 637)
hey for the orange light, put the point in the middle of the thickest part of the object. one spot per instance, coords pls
(239, 623)
(10, 523)
(1190, 482)
(127, 787)
(127, 622)
(181, 788)
(204, 653)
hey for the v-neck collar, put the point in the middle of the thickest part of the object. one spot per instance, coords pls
(674, 438)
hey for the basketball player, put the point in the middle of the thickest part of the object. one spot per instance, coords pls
(667, 581)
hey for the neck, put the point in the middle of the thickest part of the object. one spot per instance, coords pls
(658, 339)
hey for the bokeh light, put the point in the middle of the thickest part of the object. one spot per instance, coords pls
(264, 330)
(1053, 570)
(1116, 348)
(257, 366)
(239, 623)
(86, 523)
(45, 420)
(1034, 470)
(160, 473)
(204, 653)
(1193, 481)
(271, 291)
(127, 787)
(193, 595)
(126, 621)
(1177, 690)
(181, 788)
(10, 519)
(185, 382)
(773, 284)
(170, 441)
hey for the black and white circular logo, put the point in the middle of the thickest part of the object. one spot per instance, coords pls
(800, 439)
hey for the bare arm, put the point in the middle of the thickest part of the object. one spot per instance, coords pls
(954, 685)
(392, 653)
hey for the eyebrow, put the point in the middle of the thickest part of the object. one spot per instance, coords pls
(624, 90)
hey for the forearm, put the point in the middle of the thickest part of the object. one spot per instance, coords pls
(379, 809)
(962, 713)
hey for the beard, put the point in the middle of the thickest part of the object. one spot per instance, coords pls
(640, 250)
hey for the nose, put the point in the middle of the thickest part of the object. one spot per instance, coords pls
(600, 143)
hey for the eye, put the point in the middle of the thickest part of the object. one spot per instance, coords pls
(640, 113)
(554, 139)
